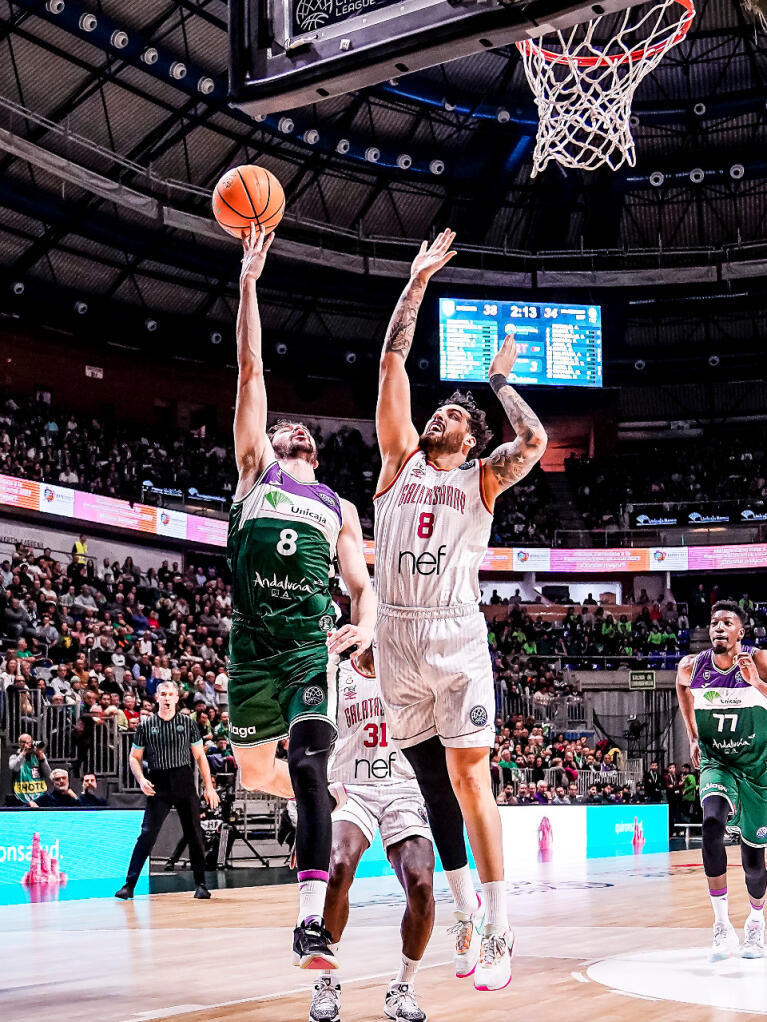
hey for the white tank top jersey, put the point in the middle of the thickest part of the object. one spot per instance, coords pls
(364, 753)
(432, 529)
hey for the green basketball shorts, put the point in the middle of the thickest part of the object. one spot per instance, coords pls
(275, 682)
(748, 801)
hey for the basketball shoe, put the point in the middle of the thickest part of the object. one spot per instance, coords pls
(326, 1001)
(311, 947)
(401, 1004)
(725, 941)
(494, 966)
(467, 930)
(753, 940)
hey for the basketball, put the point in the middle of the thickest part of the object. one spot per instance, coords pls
(248, 195)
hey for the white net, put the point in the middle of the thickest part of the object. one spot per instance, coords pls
(584, 87)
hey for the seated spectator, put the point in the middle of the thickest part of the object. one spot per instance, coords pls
(60, 796)
(89, 797)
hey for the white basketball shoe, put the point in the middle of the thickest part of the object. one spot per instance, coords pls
(468, 934)
(493, 970)
(724, 942)
(753, 940)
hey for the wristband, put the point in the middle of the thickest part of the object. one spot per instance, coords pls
(497, 380)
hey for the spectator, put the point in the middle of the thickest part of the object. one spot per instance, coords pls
(61, 795)
(653, 783)
(89, 797)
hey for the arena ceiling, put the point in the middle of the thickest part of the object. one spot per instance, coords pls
(114, 127)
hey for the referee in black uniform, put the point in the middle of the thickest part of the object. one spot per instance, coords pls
(165, 740)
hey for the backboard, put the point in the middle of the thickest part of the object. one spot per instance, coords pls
(289, 53)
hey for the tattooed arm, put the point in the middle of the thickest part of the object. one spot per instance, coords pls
(397, 436)
(511, 462)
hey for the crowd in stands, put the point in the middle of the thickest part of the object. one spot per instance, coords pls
(103, 456)
(723, 467)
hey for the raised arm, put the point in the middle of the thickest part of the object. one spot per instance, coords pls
(511, 462)
(687, 705)
(251, 444)
(354, 571)
(397, 436)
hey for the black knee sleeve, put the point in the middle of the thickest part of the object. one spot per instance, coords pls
(715, 812)
(308, 754)
(754, 869)
(430, 767)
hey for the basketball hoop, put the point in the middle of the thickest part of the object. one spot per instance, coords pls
(584, 88)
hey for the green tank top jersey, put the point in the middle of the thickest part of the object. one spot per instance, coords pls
(281, 545)
(731, 717)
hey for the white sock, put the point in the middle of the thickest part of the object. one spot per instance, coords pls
(756, 915)
(719, 905)
(407, 970)
(311, 899)
(496, 912)
(462, 888)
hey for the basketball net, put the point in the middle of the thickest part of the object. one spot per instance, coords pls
(584, 89)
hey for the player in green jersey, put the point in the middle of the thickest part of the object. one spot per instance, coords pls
(723, 697)
(285, 531)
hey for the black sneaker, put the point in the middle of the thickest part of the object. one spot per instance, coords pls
(169, 866)
(125, 893)
(202, 891)
(311, 947)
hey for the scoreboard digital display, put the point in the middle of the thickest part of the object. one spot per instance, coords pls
(559, 345)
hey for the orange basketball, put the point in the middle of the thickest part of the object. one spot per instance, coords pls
(248, 195)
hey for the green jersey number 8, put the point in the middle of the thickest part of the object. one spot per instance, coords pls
(287, 543)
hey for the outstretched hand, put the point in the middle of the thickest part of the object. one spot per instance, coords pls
(506, 356)
(432, 258)
(255, 245)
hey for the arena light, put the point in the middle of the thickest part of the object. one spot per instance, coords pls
(450, 107)
(55, 6)
(151, 325)
(437, 167)
(216, 337)
(372, 154)
(640, 365)
(88, 22)
(18, 287)
(281, 348)
(699, 109)
(150, 55)
(81, 308)
(286, 125)
(260, 118)
(177, 70)
(502, 115)
(713, 361)
(423, 363)
(343, 146)
(206, 85)
(311, 136)
(119, 39)
(657, 178)
(737, 170)
(350, 357)
(404, 161)
(697, 175)
(634, 121)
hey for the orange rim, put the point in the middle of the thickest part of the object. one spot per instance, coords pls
(529, 47)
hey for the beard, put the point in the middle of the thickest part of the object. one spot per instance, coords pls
(436, 445)
(303, 449)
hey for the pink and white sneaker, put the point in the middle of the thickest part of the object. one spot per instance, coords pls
(493, 970)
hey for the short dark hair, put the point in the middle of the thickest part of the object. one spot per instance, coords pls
(285, 424)
(730, 607)
(478, 426)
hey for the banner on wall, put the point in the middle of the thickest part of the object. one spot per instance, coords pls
(90, 508)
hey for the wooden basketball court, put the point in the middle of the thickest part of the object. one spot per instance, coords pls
(625, 936)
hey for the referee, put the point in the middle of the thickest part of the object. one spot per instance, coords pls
(165, 739)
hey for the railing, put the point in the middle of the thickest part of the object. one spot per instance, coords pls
(562, 713)
(668, 536)
(617, 778)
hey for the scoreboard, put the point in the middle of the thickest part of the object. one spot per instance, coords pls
(558, 345)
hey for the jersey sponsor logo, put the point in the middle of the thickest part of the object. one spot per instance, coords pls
(276, 498)
(326, 623)
(762, 833)
(447, 495)
(313, 695)
(374, 769)
(282, 588)
(327, 498)
(467, 465)
(418, 471)
(410, 563)
(424, 816)
(350, 692)
(478, 716)
(713, 786)
(714, 695)
(732, 744)
(242, 732)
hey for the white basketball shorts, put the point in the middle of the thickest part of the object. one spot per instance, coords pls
(436, 676)
(397, 810)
